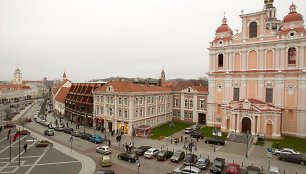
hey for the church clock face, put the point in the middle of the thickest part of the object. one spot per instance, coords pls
(246, 105)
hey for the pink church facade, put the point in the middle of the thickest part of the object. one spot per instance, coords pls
(257, 77)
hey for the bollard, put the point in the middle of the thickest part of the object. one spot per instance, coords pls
(261, 168)
(242, 164)
(284, 171)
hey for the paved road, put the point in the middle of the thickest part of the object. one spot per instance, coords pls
(231, 152)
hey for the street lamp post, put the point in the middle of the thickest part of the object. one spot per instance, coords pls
(171, 127)
(138, 165)
(247, 144)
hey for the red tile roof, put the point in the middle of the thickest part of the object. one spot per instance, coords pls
(31, 81)
(200, 88)
(61, 96)
(127, 86)
(14, 86)
(54, 91)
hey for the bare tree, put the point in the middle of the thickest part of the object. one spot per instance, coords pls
(8, 114)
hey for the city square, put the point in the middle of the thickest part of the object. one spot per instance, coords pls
(78, 92)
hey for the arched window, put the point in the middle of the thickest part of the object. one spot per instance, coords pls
(253, 29)
(292, 55)
(220, 60)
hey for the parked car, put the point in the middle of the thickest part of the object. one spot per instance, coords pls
(252, 170)
(105, 171)
(187, 170)
(130, 157)
(197, 134)
(295, 158)
(9, 125)
(163, 155)
(68, 130)
(59, 128)
(188, 130)
(75, 133)
(49, 132)
(51, 126)
(274, 170)
(217, 165)
(285, 151)
(104, 150)
(23, 132)
(44, 143)
(216, 141)
(195, 127)
(232, 168)
(45, 123)
(96, 139)
(106, 161)
(178, 156)
(141, 150)
(190, 159)
(151, 153)
(85, 136)
(202, 163)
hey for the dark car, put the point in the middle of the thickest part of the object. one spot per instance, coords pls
(164, 155)
(178, 156)
(68, 130)
(105, 171)
(217, 165)
(215, 141)
(130, 157)
(141, 150)
(85, 136)
(23, 132)
(190, 159)
(252, 170)
(197, 134)
(49, 132)
(44, 143)
(202, 163)
(75, 133)
(295, 158)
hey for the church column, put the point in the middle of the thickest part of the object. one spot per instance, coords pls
(243, 90)
(258, 123)
(238, 123)
(253, 124)
(301, 57)
(260, 87)
(232, 121)
(244, 59)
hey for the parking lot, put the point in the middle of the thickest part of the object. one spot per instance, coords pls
(36, 159)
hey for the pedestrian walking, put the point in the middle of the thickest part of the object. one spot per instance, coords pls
(126, 147)
(0, 128)
(109, 143)
(130, 147)
(197, 139)
(25, 146)
(67, 124)
(181, 138)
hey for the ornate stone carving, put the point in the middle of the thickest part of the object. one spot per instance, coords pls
(236, 84)
(291, 89)
(269, 84)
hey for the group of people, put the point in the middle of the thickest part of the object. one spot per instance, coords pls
(177, 140)
(128, 147)
(118, 138)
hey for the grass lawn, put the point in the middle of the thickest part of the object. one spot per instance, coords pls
(291, 142)
(207, 131)
(165, 130)
(260, 143)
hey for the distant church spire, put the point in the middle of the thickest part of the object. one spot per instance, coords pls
(17, 77)
(64, 76)
(162, 77)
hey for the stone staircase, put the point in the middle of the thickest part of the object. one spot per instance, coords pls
(240, 138)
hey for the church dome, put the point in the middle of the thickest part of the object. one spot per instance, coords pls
(293, 16)
(224, 27)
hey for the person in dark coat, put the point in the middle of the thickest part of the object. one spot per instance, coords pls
(109, 143)
(25, 146)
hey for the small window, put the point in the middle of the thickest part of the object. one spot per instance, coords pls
(186, 103)
(220, 60)
(253, 29)
(191, 104)
(269, 95)
(292, 55)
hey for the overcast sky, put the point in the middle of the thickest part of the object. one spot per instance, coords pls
(103, 38)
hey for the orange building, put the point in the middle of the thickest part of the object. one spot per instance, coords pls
(257, 77)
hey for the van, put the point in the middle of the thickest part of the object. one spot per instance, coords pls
(106, 161)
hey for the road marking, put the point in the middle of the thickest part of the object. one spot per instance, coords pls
(11, 145)
(36, 162)
(66, 162)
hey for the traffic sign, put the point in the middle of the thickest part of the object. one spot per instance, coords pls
(269, 149)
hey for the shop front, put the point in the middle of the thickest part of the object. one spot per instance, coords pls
(123, 127)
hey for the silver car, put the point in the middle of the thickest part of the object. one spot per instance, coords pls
(187, 170)
(151, 153)
(104, 150)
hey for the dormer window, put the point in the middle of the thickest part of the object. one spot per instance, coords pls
(291, 55)
(253, 30)
(109, 88)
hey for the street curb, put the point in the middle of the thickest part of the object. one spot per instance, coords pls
(88, 165)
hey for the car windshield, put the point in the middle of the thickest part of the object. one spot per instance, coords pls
(201, 160)
(217, 163)
(232, 167)
(132, 155)
(150, 151)
(177, 154)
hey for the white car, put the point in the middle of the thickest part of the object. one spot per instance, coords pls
(187, 170)
(285, 151)
(188, 130)
(151, 153)
(104, 150)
